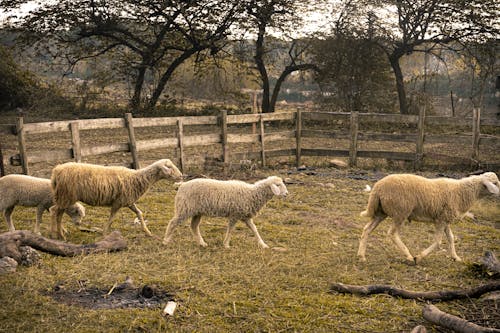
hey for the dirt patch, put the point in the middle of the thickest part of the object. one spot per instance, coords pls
(120, 296)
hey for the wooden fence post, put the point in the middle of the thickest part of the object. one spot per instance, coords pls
(131, 141)
(353, 149)
(419, 145)
(476, 133)
(223, 129)
(75, 141)
(298, 137)
(2, 167)
(262, 145)
(180, 138)
(22, 144)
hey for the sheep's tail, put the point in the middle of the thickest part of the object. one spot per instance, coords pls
(373, 205)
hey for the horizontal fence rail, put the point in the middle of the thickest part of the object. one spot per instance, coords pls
(302, 126)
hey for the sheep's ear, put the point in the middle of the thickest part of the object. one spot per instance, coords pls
(168, 171)
(275, 189)
(492, 188)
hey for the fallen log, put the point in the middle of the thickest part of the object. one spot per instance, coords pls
(10, 242)
(443, 295)
(438, 317)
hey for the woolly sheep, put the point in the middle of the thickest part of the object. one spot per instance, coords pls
(233, 199)
(21, 190)
(111, 186)
(412, 197)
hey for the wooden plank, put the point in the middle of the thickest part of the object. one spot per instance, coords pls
(254, 118)
(308, 133)
(50, 155)
(201, 140)
(279, 136)
(2, 167)
(353, 143)
(223, 137)
(447, 138)
(324, 152)
(131, 141)
(262, 142)
(243, 138)
(387, 137)
(103, 123)
(85, 124)
(489, 141)
(144, 145)
(490, 122)
(390, 155)
(269, 153)
(75, 141)
(173, 121)
(325, 116)
(298, 137)
(105, 149)
(21, 142)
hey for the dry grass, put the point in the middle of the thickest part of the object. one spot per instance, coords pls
(247, 289)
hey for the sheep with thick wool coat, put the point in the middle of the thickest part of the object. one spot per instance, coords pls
(412, 197)
(236, 200)
(111, 186)
(28, 191)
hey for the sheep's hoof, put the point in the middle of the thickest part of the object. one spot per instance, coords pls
(264, 246)
(457, 258)
(361, 258)
(417, 260)
(204, 244)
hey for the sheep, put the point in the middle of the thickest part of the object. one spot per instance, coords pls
(111, 186)
(31, 192)
(233, 199)
(412, 197)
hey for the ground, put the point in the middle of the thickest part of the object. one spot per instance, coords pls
(247, 289)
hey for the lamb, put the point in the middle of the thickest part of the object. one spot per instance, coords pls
(111, 186)
(412, 197)
(233, 199)
(31, 192)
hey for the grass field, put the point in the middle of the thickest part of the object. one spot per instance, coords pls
(245, 288)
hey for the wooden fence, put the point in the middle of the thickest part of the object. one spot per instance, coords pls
(301, 127)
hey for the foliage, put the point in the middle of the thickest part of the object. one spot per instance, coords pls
(17, 86)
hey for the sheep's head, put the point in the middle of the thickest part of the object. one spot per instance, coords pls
(490, 182)
(77, 213)
(168, 169)
(277, 186)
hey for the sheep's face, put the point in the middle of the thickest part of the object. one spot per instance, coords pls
(169, 170)
(77, 213)
(491, 183)
(278, 187)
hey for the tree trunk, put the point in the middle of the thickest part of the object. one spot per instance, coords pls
(400, 85)
(11, 241)
(288, 70)
(443, 295)
(168, 74)
(436, 316)
(261, 67)
(135, 102)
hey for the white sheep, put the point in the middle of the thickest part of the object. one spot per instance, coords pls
(233, 199)
(111, 186)
(27, 191)
(412, 197)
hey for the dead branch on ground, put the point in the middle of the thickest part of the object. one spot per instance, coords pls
(438, 317)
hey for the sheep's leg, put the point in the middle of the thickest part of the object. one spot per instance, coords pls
(394, 232)
(169, 233)
(369, 227)
(39, 213)
(56, 229)
(230, 228)
(195, 229)
(251, 225)
(112, 214)
(138, 212)
(451, 242)
(438, 236)
(7, 213)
